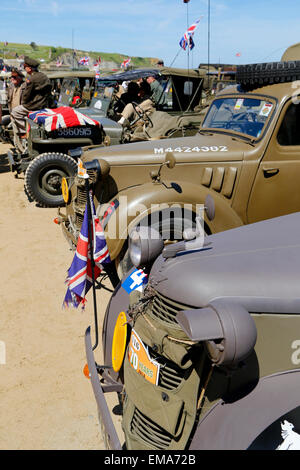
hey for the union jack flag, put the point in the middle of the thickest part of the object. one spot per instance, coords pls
(84, 60)
(97, 62)
(125, 63)
(79, 277)
(61, 117)
(187, 38)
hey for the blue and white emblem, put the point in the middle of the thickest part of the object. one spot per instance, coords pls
(135, 281)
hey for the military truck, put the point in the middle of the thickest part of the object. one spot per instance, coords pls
(207, 356)
(245, 157)
(46, 160)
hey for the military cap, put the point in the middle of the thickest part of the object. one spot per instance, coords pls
(30, 62)
(16, 73)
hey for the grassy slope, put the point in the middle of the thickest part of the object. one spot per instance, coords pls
(50, 53)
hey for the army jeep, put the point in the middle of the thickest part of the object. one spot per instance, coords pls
(207, 356)
(48, 157)
(245, 157)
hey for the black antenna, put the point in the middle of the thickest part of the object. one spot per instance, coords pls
(208, 40)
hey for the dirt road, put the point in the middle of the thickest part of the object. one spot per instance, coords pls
(45, 400)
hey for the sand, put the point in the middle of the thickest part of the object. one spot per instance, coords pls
(45, 400)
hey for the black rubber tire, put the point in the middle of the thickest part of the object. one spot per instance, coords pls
(38, 185)
(267, 73)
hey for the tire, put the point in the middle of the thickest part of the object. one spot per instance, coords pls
(43, 178)
(170, 228)
(268, 73)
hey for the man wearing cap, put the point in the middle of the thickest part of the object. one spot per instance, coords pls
(15, 89)
(35, 96)
(157, 92)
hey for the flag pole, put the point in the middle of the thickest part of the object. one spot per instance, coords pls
(208, 40)
(87, 188)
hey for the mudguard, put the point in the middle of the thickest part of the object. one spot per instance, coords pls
(119, 302)
(256, 421)
(135, 204)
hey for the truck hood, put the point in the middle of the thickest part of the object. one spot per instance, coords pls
(206, 147)
(99, 116)
(257, 265)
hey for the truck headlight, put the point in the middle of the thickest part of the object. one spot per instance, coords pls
(145, 244)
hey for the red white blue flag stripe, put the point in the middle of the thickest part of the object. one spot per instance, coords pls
(79, 277)
(125, 63)
(61, 117)
(187, 38)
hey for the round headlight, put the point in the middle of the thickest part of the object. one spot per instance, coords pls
(145, 244)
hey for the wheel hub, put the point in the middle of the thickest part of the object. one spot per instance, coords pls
(51, 181)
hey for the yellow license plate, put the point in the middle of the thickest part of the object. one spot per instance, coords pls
(140, 360)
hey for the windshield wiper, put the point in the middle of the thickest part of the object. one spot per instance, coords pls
(246, 140)
(205, 131)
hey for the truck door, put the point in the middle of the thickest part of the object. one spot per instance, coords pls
(276, 189)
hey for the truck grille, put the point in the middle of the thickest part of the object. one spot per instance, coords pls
(166, 310)
(170, 375)
(149, 432)
(81, 196)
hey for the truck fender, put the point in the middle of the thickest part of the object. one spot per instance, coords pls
(135, 204)
(254, 421)
(119, 302)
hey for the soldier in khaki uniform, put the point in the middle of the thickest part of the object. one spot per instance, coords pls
(145, 105)
(36, 95)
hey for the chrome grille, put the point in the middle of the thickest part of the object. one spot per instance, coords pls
(166, 310)
(149, 432)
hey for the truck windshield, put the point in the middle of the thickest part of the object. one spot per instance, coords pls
(245, 115)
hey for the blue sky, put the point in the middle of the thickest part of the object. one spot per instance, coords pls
(259, 29)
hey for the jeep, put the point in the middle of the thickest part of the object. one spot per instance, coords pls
(245, 157)
(48, 157)
(207, 355)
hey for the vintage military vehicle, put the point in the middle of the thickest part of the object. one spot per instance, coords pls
(207, 356)
(245, 157)
(46, 160)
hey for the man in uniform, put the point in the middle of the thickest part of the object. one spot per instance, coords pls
(15, 90)
(145, 105)
(157, 92)
(35, 96)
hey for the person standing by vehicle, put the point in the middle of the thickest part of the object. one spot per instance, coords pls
(14, 96)
(35, 96)
(15, 89)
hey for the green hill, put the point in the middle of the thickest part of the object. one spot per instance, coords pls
(50, 54)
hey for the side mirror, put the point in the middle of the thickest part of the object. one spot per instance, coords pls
(170, 160)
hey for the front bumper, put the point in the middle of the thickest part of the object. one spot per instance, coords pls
(106, 385)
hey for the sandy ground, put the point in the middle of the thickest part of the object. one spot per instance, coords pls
(45, 400)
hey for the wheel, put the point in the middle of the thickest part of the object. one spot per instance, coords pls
(170, 225)
(43, 177)
(141, 115)
(268, 73)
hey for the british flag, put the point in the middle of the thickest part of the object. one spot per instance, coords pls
(125, 63)
(84, 61)
(79, 277)
(61, 117)
(187, 38)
